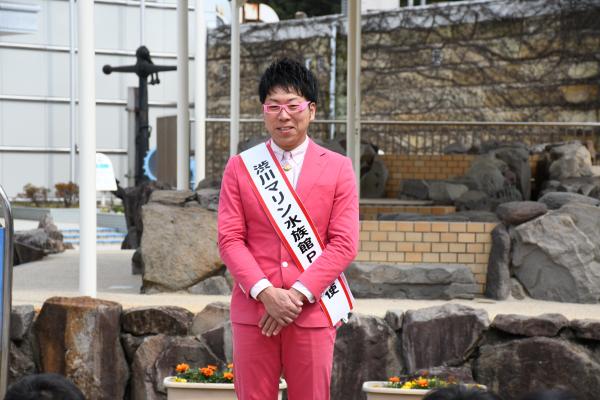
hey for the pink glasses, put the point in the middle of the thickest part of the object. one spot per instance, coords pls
(290, 108)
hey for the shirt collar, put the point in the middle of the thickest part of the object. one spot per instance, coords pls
(299, 151)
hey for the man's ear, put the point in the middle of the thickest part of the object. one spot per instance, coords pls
(313, 110)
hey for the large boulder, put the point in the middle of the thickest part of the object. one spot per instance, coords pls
(157, 357)
(571, 159)
(414, 189)
(517, 160)
(212, 316)
(366, 348)
(521, 366)
(586, 328)
(215, 285)
(498, 281)
(555, 200)
(34, 244)
(21, 354)
(486, 172)
(446, 192)
(372, 183)
(517, 212)
(441, 335)
(474, 200)
(411, 281)
(168, 320)
(542, 325)
(79, 337)
(557, 257)
(179, 246)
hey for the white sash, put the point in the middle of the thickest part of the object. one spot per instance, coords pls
(293, 224)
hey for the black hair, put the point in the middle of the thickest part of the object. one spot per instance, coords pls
(554, 394)
(44, 387)
(291, 76)
(461, 392)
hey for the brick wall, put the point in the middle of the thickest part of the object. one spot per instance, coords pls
(370, 212)
(401, 242)
(430, 167)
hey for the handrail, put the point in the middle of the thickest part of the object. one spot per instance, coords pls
(6, 290)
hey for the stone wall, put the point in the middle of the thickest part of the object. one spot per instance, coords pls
(511, 355)
(488, 61)
(399, 242)
(371, 211)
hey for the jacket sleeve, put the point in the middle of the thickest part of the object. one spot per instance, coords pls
(343, 233)
(232, 232)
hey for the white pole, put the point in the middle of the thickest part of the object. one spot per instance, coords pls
(142, 21)
(183, 99)
(332, 75)
(72, 73)
(87, 152)
(353, 83)
(200, 94)
(234, 126)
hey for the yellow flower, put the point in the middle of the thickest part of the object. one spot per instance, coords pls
(181, 368)
(228, 375)
(182, 380)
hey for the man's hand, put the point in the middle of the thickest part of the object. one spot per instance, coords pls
(269, 325)
(280, 304)
(299, 295)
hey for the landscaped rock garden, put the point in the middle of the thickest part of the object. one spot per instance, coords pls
(112, 353)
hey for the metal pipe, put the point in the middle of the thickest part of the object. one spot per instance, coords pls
(353, 87)
(6, 289)
(72, 72)
(200, 95)
(54, 150)
(234, 93)
(183, 99)
(65, 100)
(142, 20)
(87, 157)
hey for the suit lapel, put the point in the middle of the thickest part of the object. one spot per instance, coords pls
(313, 164)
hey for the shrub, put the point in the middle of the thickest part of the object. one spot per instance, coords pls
(37, 194)
(69, 192)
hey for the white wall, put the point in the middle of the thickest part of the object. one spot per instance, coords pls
(25, 72)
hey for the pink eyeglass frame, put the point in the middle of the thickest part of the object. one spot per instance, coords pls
(301, 107)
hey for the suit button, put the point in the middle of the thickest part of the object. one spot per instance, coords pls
(284, 264)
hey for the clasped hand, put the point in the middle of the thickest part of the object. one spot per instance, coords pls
(282, 308)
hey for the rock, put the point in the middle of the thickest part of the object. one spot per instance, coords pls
(333, 145)
(455, 148)
(541, 325)
(571, 160)
(216, 285)
(411, 281)
(580, 185)
(48, 242)
(586, 328)
(130, 344)
(517, 291)
(208, 198)
(252, 141)
(133, 199)
(487, 173)
(394, 319)
(498, 284)
(462, 216)
(555, 200)
(517, 212)
(211, 316)
(461, 374)
(219, 341)
(21, 318)
(210, 182)
(446, 192)
(414, 189)
(474, 200)
(440, 335)
(538, 362)
(372, 183)
(369, 348)
(25, 253)
(173, 258)
(79, 337)
(556, 257)
(143, 374)
(517, 160)
(171, 197)
(168, 320)
(20, 361)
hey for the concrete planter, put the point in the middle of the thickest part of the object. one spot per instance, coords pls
(376, 390)
(213, 391)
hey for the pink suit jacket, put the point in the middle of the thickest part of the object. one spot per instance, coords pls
(251, 249)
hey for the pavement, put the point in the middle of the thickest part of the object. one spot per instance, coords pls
(57, 275)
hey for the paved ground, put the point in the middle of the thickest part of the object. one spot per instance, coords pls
(57, 275)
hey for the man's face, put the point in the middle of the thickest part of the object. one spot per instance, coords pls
(288, 129)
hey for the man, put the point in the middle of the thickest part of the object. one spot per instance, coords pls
(280, 322)
(43, 387)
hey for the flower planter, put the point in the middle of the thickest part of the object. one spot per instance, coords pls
(212, 391)
(376, 390)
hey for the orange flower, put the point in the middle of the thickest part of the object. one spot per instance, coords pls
(422, 382)
(230, 365)
(228, 375)
(207, 371)
(394, 379)
(181, 368)
(213, 367)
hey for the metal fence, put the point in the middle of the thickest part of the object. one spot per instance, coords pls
(409, 137)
